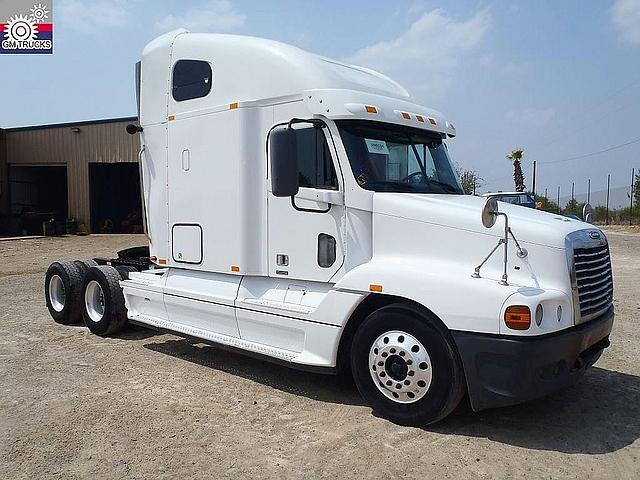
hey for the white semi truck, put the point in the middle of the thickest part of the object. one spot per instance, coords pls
(306, 211)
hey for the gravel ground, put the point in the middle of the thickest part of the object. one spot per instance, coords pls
(149, 405)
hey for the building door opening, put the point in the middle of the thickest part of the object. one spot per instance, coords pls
(115, 198)
(37, 193)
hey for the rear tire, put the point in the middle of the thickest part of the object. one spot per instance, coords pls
(85, 265)
(62, 289)
(406, 366)
(125, 270)
(103, 307)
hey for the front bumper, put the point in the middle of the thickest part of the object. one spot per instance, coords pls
(505, 370)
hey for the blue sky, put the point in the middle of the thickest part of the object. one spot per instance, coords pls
(559, 78)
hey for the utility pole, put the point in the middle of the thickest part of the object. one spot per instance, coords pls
(608, 185)
(573, 197)
(633, 177)
(533, 188)
(589, 191)
(558, 198)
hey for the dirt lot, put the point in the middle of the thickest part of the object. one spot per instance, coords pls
(147, 405)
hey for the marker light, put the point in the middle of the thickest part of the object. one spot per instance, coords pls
(375, 288)
(433, 121)
(406, 116)
(370, 109)
(420, 118)
(517, 317)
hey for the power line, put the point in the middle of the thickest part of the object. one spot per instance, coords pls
(584, 109)
(591, 154)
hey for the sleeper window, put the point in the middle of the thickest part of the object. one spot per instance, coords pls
(315, 167)
(191, 79)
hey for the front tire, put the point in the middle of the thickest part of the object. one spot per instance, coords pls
(406, 366)
(103, 307)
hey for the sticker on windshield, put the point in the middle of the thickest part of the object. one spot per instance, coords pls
(377, 146)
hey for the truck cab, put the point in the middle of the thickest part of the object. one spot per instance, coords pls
(306, 211)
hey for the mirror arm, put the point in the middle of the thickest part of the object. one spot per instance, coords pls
(308, 210)
(476, 273)
(314, 121)
(503, 241)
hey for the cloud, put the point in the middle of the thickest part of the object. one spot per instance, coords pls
(533, 117)
(214, 15)
(625, 15)
(424, 57)
(93, 17)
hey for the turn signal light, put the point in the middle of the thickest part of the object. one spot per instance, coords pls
(517, 317)
(370, 109)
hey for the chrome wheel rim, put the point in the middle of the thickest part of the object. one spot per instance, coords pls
(94, 301)
(57, 293)
(400, 367)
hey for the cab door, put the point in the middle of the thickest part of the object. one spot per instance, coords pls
(305, 232)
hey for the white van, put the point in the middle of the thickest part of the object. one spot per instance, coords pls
(306, 211)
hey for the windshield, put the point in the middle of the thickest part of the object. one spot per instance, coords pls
(393, 158)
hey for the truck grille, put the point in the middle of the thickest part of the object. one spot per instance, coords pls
(594, 279)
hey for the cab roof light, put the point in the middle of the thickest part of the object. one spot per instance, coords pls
(433, 121)
(517, 317)
(420, 118)
(370, 109)
(406, 116)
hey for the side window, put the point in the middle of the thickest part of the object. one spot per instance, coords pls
(191, 79)
(315, 166)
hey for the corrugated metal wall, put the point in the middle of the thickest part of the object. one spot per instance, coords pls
(104, 142)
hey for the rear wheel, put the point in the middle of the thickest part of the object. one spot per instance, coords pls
(405, 365)
(85, 265)
(62, 285)
(103, 307)
(125, 270)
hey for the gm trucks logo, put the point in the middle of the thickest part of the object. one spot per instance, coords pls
(594, 234)
(26, 27)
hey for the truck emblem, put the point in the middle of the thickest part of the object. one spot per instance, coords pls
(594, 234)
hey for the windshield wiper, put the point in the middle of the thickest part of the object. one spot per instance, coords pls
(447, 186)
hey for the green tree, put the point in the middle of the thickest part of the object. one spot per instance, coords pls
(546, 204)
(470, 181)
(518, 178)
(574, 207)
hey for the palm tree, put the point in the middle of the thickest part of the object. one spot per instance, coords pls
(516, 157)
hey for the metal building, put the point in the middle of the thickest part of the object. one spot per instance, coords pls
(85, 171)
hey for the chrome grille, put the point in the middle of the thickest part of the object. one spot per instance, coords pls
(592, 278)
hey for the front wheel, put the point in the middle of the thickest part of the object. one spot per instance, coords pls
(405, 365)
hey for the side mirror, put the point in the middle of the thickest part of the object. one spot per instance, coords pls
(284, 162)
(587, 212)
(490, 212)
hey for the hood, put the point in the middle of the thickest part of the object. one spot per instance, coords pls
(463, 212)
